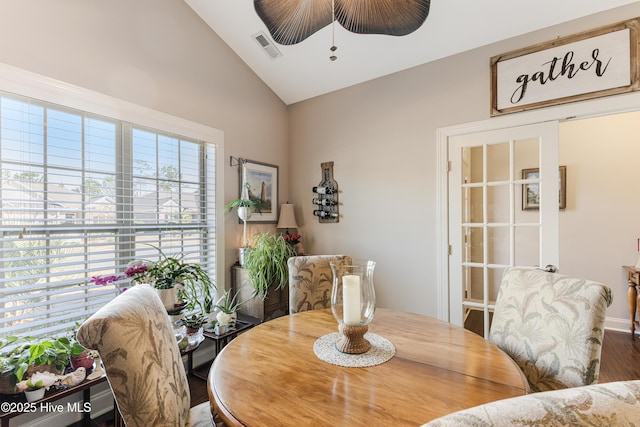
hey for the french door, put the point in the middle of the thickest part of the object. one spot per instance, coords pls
(503, 211)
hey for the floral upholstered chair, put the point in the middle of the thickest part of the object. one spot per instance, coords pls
(608, 404)
(311, 280)
(552, 326)
(142, 361)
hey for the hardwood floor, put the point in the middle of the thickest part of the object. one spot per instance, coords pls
(198, 389)
(620, 361)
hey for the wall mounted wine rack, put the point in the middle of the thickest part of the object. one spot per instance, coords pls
(325, 200)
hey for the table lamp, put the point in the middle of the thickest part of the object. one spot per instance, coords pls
(287, 218)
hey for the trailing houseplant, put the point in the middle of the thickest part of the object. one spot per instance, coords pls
(197, 286)
(255, 204)
(246, 205)
(266, 263)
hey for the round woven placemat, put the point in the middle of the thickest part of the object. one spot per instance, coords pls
(381, 351)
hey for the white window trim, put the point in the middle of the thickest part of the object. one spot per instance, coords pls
(29, 84)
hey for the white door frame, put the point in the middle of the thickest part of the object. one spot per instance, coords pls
(598, 107)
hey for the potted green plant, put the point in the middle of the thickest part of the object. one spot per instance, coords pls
(229, 302)
(193, 325)
(194, 322)
(171, 271)
(246, 205)
(79, 355)
(173, 278)
(36, 385)
(228, 305)
(267, 263)
(25, 356)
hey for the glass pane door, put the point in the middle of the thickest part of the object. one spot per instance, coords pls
(497, 207)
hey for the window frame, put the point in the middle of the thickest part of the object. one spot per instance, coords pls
(27, 84)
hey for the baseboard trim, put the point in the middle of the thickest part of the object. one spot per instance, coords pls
(618, 324)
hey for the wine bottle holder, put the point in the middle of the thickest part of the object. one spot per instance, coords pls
(325, 201)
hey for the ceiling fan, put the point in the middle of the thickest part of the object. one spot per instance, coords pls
(292, 21)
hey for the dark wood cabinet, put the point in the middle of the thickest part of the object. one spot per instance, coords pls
(275, 305)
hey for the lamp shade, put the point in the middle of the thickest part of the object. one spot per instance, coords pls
(287, 217)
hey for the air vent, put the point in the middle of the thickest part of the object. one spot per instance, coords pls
(266, 45)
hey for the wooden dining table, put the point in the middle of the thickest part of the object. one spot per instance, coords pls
(270, 375)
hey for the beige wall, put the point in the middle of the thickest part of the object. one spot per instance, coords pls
(158, 54)
(382, 136)
(600, 228)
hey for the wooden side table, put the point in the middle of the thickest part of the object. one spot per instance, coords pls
(188, 351)
(633, 296)
(219, 340)
(16, 404)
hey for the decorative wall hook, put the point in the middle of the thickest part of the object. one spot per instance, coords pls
(238, 161)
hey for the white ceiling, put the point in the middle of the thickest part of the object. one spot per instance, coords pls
(453, 26)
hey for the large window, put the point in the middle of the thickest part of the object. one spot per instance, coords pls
(83, 195)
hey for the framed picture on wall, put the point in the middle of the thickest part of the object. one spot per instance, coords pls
(263, 185)
(531, 192)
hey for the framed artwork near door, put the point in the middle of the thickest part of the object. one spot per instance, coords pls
(531, 193)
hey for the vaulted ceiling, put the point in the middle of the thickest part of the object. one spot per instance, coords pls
(304, 69)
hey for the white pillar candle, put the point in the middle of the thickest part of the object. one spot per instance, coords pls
(351, 299)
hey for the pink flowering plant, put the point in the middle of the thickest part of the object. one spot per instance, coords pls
(292, 239)
(137, 271)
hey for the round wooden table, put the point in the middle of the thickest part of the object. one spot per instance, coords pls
(270, 376)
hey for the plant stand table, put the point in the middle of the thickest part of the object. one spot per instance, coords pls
(220, 341)
(18, 405)
(188, 351)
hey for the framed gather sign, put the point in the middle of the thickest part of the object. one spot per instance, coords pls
(591, 64)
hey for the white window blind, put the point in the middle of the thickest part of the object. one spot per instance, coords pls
(82, 196)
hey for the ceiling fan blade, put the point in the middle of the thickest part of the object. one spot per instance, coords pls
(292, 21)
(390, 17)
